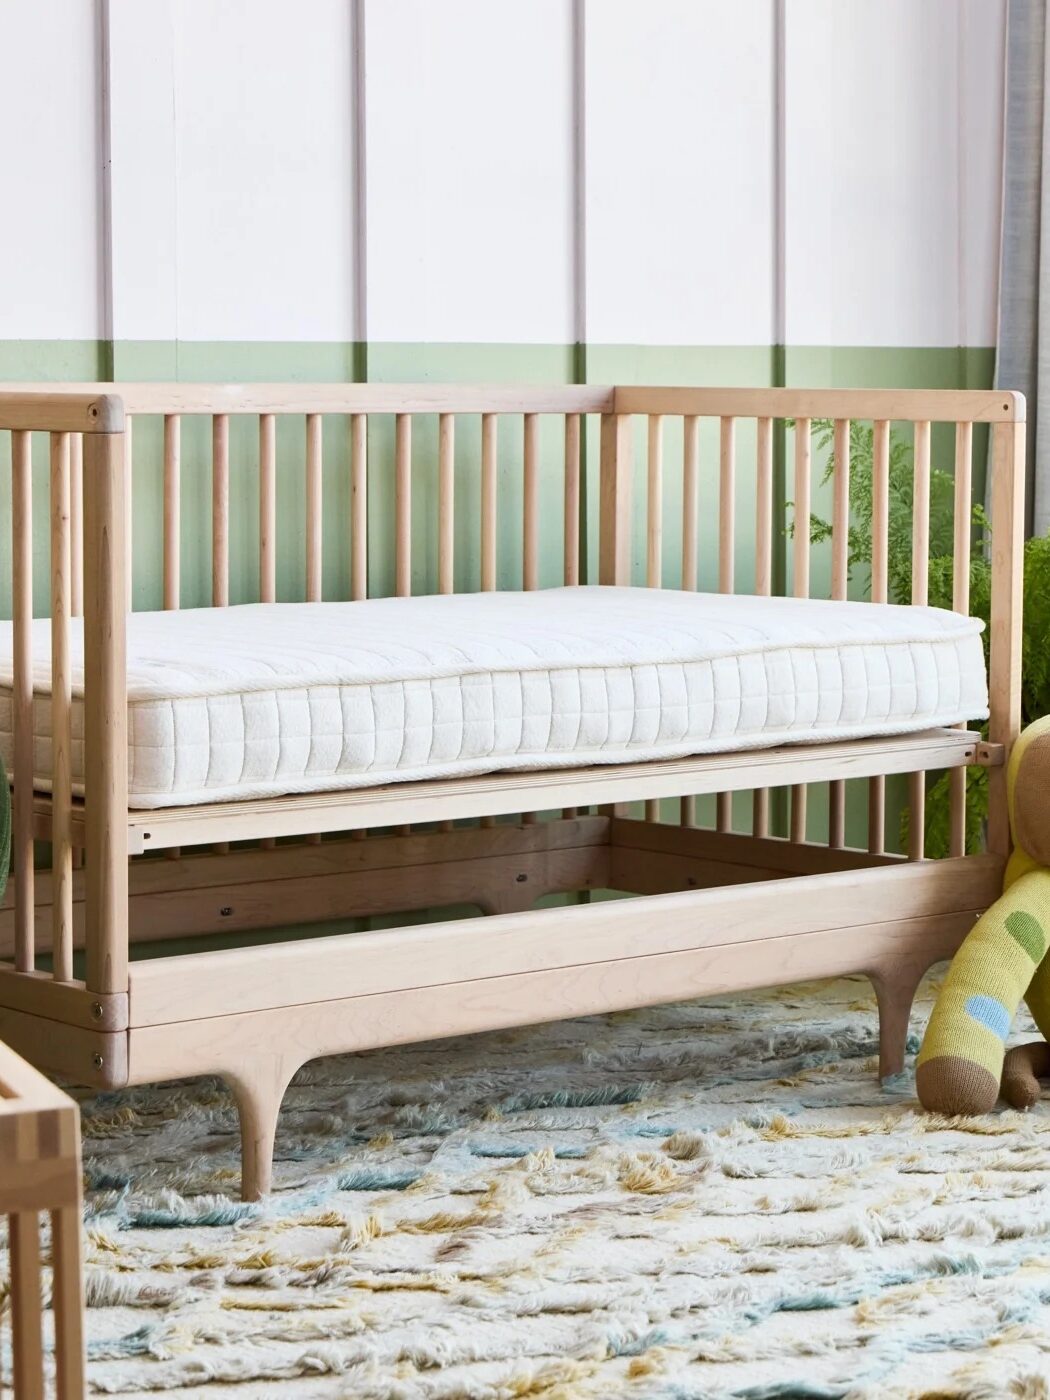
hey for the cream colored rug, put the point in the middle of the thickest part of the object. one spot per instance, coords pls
(712, 1199)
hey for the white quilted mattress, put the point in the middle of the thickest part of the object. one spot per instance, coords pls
(264, 699)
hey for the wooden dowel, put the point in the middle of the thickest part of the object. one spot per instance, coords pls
(446, 501)
(267, 508)
(840, 512)
(760, 812)
(572, 498)
(67, 1301)
(654, 537)
(220, 510)
(129, 517)
(687, 811)
(531, 504)
(690, 501)
(880, 529)
(799, 809)
(916, 815)
(358, 506)
(314, 489)
(920, 530)
(27, 1354)
(803, 494)
(488, 501)
(726, 505)
(963, 533)
(22, 698)
(61, 716)
(403, 505)
(105, 718)
(172, 524)
(764, 508)
(724, 811)
(837, 814)
(76, 524)
(652, 810)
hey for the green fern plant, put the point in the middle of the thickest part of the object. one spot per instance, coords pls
(1035, 674)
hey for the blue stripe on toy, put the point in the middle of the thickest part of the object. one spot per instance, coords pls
(991, 1013)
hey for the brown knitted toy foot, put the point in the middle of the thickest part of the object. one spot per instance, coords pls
(1023, 1068)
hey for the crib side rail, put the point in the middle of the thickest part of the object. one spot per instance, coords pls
(779, 425)
(83, 546)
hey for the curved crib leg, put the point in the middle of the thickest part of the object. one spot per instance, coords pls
(895, 989)
(258, 1090)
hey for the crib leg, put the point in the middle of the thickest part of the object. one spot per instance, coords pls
(258, 1089)
(895, 989)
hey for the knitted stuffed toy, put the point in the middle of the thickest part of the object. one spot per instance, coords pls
(961, 1064)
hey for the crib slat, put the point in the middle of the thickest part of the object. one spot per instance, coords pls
(267, 508)
(655, 503)
(880, 528)
(172, 524)
(22, 697)
(314, 482)
(800, 571)
(26, 1305)
(129, 515)
(572, 499)
(920, 593)
(76, 524)
(403, 505)
(61, 715)
(446, 501)
(763, 570)
(489, 423)
(690, 501)
(220, 510)
(531, 504)
(961, 603)
(358, 506)
(726, 504)
(839, 586)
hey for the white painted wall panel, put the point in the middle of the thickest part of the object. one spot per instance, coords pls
(469, 112)
(263, 170)
(680, 151)
(891, 176)
(49, 232)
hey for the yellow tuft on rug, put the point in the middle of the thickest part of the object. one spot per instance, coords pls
(713, 1199)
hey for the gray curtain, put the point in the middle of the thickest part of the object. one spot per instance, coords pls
(1023, 342)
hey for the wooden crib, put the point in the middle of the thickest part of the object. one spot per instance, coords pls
(721, 910)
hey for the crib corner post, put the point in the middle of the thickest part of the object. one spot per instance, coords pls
(1007, 558)
(614, 543)
(105, 712)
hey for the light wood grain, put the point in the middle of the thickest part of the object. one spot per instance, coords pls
(530, 553)
(220, 511)
(573, 498)
(76, 524)
(840, 551)
(1007, 554)
(358, 506)
(690, 502)
(726, 505)
(403, 505)
(26, 1310)
(654, 537)
(614, 506)
(764, 508)
(314, 507)
(172, 523)
(22, 696)
(446, 502)
(880, 525)
(963, 536)
(129, 515)
(61, 714)
(904, 405)
(489, 449)
(267, 508)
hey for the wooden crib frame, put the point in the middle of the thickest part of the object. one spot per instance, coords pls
(719, 914)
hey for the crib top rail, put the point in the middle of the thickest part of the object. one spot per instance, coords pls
(880, 405)
(76, 408)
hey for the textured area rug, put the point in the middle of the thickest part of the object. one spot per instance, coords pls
(712, 1199)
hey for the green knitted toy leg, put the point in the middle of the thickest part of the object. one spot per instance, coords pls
(1038, 994)
(961, 1060)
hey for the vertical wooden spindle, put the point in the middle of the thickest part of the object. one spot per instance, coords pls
(726, 560)
(403, 505)
(654, 537)
(489, 423)
(531, 504)
(220, 510)
(76, 524)
(314, 490)
(572, 498)
(446, 502)
(358, 506)
(61, 716)
(129, 515)
(22, 698)
(172, 525)
(800, 571)
(880, 530)
(963, 533)
(763, 570)
(839, 585)
(920, 594)
(267, 508)
(690, 501)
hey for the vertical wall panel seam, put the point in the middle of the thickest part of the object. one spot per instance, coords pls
(103, 128)
(359, 191)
